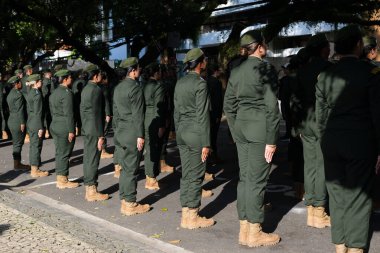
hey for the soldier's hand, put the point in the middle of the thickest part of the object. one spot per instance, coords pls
(378, 165)
(269, 151)
(140, 144)
(205, 154)
(100, 143)
(40, 133)
(71, 137)
(22, 127)
(161, 132)
(108, 119)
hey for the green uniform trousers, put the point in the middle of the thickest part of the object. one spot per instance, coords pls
(91, 158)
(153, 147)
(35, 148)
(116, 152)
(193, 172)
(17, 139)
(350, 159)
(130, 162)
(3, 120)
(63, 150)
(254, 174)
(314, 172)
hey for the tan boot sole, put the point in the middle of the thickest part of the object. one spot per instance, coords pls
(39, 175)
(152, 188)
(256, 245)
(116, 175)
(131, 213)
(67, 186)
(189, 226)
(97, 199)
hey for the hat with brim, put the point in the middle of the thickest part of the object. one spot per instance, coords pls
(91, 68)
(62, 72)
(27, 67)
(369, 41)
(193, 54)
(33, 78)
(129, 62)
(253, 36)
(18, 71)
(13, 79)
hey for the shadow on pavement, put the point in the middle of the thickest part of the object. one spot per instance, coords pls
(4, 227)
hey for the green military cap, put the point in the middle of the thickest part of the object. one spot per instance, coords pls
(58, 67)
(253, 36)
(27, 67)
(317, 40)
(193, 55)
(347, 33)
(62, 72)
(18, 71)
(369, 41)
(91, 67)
(129, 62)
(14, 79)
(34, 77)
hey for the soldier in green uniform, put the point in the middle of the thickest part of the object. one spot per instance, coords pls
(348, 118)
(28, 70)
(104, 85)
(128, 106)
(315, 196)
(155, 121)
(192, 122)
(16, 121)
(78, 86)
(252, 111)
(35, 124)
(46, 92)
(91, 112)
(62, 127)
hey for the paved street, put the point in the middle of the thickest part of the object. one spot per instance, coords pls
(28, 204)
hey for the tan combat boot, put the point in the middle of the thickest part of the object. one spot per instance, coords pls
(27, 138)
(92, 194)
(4, 135)
(132, 208)
(166, 168)
(321, 219)
(243, 233)
(151, 183)
(310, 216)
(117, 170)
(206, 193)
(340, 248)
(257, 238)
(17, 165)
(63, 182)
(355, 250)
(47, 134)
(36, 172)
(105, 155)
(195, 221)
(208, 177)
(185, 217)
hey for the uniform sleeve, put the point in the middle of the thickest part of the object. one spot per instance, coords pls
(137, 108)
(20, 106)
(159, 99)
(96, 104)
(202, 103)
(230, 105)
(68, 105)
(38, 110)
(270, 85)
(321, 107)
(374, 99)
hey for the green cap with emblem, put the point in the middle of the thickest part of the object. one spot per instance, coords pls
(317, 41)
(27, 67)
(14, 79)
(91, 67)
(193, 55)
(18, 71)
(253, 36)
(369, 41)
(62, 72)
(34, 77)
(129, 62)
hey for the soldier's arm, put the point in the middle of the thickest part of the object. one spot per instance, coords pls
(230, 104)
(20, 105)
(38, 111)
(270, 85)
(137, 109)
(68, 105)
(96, 104)
(202, 103)
(321, 106)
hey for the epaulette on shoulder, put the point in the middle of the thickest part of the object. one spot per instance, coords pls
(375, 70)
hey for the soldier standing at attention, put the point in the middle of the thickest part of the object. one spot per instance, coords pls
(155, 121)
(128, 105)
(16, 121)
(46, 92)
(315, 196)
(62, 127)
(348, 118)
(253, 116)
(91, 112)
(35, 124)
(192, 122)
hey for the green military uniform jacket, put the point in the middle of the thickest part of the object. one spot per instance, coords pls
(155, 105)
(128, 107)
(35, 110)
(17, 109)
(47, 87)
(192, 111)
(307, 79)
(91, 110)
(62, 110)
(250, 102)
